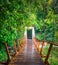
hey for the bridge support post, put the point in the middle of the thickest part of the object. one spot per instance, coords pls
(49, 50)
(7, 51)
(15, 47)
(41, 48)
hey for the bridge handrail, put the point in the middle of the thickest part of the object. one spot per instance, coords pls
(49, 49)
(7, 50)
(49, 42)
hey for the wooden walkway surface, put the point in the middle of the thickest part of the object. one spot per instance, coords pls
(29, 56)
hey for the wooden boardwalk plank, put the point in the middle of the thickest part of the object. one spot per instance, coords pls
(29, 56)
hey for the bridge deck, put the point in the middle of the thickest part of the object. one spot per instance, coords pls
(29, 56)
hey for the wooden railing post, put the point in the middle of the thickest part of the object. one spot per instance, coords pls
(15, 47)
(48, 53)
(41, 48)
(7, 51)
(18, 43)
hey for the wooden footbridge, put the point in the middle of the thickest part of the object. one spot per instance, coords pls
(29, 56)
(28, 53)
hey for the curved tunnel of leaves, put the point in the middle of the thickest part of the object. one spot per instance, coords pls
(16, 15)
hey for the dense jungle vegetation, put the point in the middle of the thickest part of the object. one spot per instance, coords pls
(15, 15)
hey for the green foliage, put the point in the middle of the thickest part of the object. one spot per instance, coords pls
(3, 55)
(16, 15)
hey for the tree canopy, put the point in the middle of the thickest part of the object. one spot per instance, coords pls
(15, 15)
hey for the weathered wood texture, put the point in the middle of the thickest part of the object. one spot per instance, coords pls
(29, 56)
